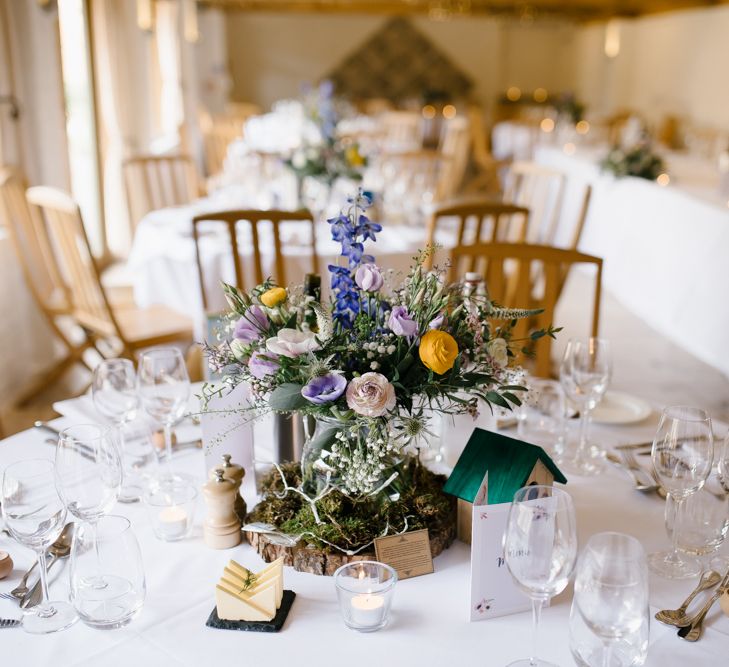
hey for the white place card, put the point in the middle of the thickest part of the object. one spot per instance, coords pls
(493, 591)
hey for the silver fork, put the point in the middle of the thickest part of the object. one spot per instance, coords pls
(7, 596)
(9, 622)
(632, 462)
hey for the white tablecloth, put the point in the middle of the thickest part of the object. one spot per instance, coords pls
(429, 623)
(665, 248)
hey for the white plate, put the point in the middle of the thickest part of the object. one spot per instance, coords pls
(619, 408)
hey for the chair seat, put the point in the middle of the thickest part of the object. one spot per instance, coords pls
(156, 324)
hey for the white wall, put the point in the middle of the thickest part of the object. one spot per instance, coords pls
(272, 54)
(674, 63)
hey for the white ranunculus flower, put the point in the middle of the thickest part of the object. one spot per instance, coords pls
(298, 160)
(371, 395)
(498, 350)
(292, 343)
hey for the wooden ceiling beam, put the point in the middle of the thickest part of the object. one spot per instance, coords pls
(583, 10)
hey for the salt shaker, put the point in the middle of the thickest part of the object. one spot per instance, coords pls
(222, 526)
(235, 473)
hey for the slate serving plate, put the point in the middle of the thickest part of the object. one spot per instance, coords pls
(274, 625)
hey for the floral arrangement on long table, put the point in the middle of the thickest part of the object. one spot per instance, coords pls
(365, 371)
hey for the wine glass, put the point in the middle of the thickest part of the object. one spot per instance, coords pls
(114, 391)
(88, 474)
(611, 595)
(585, 374)
(682, 455)
(35, 516)
(164, 390)
(540, 548)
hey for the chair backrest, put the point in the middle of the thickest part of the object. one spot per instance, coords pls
(527, 276)
(482, 220)
(255, 221)
(32, 244)
(218, 133)
(158, 181)
(541, 190)
(402, 130)
(89, 304)
(479, 138)
(454, 147)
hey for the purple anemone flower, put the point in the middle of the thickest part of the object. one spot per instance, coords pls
(401, 323)
(324, 389)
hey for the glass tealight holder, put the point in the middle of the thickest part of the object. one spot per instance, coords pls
(170, 505)
(365, 589)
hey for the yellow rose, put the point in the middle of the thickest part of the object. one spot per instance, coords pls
(273, 297)
(354, 157)
(438, 351)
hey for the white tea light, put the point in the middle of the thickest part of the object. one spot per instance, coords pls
(170, 506)
(173, 522)
(365, 589)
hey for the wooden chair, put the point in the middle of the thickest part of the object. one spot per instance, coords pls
(541, 190)
(42, 275)
(453, 155)
(218, 133)
(126, 329)
(486, 166)
(158, 181)
(255, 221)
(402, 131)
(482, 220)
(518, 287)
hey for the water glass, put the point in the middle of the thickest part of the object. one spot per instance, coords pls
(114, 392)
(88, 471)
(164, 390)
(611, 596)
(364, 590)
(540, 549)
(35, 516)
(585, 374)
(111, 550)
(170, 506)
(704, 525)
(541, 416)
(682, 456)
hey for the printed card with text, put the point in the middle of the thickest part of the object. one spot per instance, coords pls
(493, 591)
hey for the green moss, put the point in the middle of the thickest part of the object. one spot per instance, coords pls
(351, 525)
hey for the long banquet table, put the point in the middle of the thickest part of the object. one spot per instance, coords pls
(665, 248)
(429, 624)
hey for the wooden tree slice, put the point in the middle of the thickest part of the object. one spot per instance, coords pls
(316, 561)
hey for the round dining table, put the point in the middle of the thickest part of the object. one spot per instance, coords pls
(429, 625)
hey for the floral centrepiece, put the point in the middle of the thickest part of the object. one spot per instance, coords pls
(380, 359)
(639, 160)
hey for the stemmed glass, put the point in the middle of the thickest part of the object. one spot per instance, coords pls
(35, 515)
(164, 390)
(682, 455)
(585, 374)
(88, 474)
(540, 548)
(611, 593)
(114, 391)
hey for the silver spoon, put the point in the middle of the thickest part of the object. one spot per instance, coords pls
(59, 549)
(691, 632)
(678, 617)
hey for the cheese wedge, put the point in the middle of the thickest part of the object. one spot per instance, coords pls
(274, 572)
(235, 606)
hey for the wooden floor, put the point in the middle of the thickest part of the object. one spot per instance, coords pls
(645, 363)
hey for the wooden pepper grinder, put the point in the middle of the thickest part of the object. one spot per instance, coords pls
(222, 526)
(236, 473)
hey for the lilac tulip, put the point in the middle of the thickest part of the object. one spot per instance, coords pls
(261, 365)
(252, 325)
(369, 277)
(401, 324)
(324, 389)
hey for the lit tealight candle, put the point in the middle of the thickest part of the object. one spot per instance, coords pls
(368, 609)
(173, 521)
